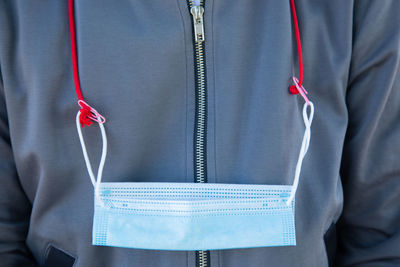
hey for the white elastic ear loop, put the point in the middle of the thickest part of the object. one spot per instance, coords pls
(95, 182)
(304, 147)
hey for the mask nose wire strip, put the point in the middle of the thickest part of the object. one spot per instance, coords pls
(95, 181)
(304, 147)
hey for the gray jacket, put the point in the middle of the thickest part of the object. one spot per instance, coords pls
(136, 60)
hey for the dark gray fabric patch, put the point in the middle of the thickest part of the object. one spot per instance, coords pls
(58, 258)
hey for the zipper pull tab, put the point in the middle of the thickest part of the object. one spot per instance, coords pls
(198, 23)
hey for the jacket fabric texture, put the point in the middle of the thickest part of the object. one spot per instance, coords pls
(136, 66)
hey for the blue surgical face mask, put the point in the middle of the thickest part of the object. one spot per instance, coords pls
(194, 216)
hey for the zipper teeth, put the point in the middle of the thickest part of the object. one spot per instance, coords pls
(191, 3)
(202, 256)
(201, 115)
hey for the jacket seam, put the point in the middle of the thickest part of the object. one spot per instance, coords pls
(186, 101)
(214, 92)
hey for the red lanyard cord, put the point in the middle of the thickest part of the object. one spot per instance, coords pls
(74, 49)
(88, 114)
(293, 89)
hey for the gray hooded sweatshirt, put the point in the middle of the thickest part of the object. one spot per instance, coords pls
(137, 67)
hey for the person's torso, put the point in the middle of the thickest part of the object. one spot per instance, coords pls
(137, 67)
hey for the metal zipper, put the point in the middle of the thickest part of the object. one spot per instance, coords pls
(196, 9)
